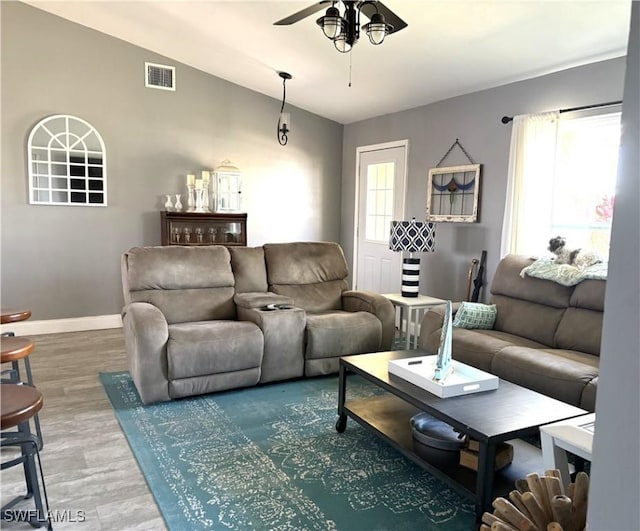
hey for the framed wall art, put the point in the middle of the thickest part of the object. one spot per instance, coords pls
(452, 194)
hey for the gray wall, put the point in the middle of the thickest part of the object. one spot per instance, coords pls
(475, 120)
(615, 476)
(63, 261)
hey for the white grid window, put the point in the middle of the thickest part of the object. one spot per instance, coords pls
(67, 164)
(380, 186)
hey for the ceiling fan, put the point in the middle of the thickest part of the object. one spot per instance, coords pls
(343, 26)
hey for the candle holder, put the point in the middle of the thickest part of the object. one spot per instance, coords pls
(199, 195)
(190, 198)
(205, 196)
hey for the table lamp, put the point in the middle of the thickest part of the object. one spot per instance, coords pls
(412, 237)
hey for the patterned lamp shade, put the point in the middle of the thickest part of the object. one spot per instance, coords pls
(412, 237)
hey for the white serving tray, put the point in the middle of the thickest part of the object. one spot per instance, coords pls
(464, 380)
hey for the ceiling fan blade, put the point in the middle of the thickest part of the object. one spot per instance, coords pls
(291, 19)
(369, 8)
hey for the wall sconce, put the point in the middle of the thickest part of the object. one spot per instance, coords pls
(284, 120)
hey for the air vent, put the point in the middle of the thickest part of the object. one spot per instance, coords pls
(160, 76)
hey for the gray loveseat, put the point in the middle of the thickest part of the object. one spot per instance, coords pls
(196, 319)
(546, 336)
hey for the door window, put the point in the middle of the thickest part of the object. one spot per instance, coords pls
(379, 207)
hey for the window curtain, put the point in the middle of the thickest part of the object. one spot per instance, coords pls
(529, 200)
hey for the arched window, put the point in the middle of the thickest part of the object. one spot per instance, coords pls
(67, 163)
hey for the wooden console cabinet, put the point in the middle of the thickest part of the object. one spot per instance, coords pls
(194, 228)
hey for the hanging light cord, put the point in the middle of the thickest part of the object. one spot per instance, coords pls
(284, 94)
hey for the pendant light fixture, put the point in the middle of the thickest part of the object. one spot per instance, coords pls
(341, 21)
(284, 120)
(344, 30)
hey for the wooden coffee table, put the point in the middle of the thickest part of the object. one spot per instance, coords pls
(490, 417)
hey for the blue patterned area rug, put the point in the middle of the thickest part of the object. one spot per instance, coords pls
(269, 457)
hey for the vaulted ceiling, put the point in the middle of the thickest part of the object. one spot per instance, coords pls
(449, 47)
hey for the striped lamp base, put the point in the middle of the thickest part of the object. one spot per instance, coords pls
(410, 277)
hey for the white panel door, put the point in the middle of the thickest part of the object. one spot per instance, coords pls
(380, 199)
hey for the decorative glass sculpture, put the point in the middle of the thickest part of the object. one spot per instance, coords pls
(444, 367)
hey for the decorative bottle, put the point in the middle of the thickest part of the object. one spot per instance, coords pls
(168, 204)
(178, 205)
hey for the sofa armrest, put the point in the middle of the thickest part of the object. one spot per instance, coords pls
(260, 299)
(284, 335)
(365, 301)
(146, 334)
(431, 325)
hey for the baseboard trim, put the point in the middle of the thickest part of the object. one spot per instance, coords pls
(58, 326)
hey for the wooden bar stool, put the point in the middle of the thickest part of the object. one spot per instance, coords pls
(11, 315)
(12, 350)
(18, 404)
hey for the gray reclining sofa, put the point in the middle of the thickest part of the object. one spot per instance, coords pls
(196, 318)
(546, 336)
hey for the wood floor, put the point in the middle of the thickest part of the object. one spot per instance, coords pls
(87, 462)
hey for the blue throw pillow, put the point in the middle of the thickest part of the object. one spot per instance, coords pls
(472, 315)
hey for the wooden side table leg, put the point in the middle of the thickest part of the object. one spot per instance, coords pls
(555, 457)
(403, 327)
(417, 318)
(410, 325)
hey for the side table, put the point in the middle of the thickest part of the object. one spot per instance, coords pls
(411, 311)
(572, 435)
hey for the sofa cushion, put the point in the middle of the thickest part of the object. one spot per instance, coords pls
(478, 347)
(589, 294)
(178, 267)
(186, 305)
(304, 262)
(508, 282)
(212, 347)
(320, 297)
(472, 315)
(334, 334)
(249, 269)
(313, 274)
(185, 283)
(527, 319)
(562, 374)
(580, 329)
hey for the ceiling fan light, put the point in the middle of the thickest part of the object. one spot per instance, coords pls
(331, 23)
(377, 29)
(341, 44)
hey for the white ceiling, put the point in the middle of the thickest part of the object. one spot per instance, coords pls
(449, 47)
